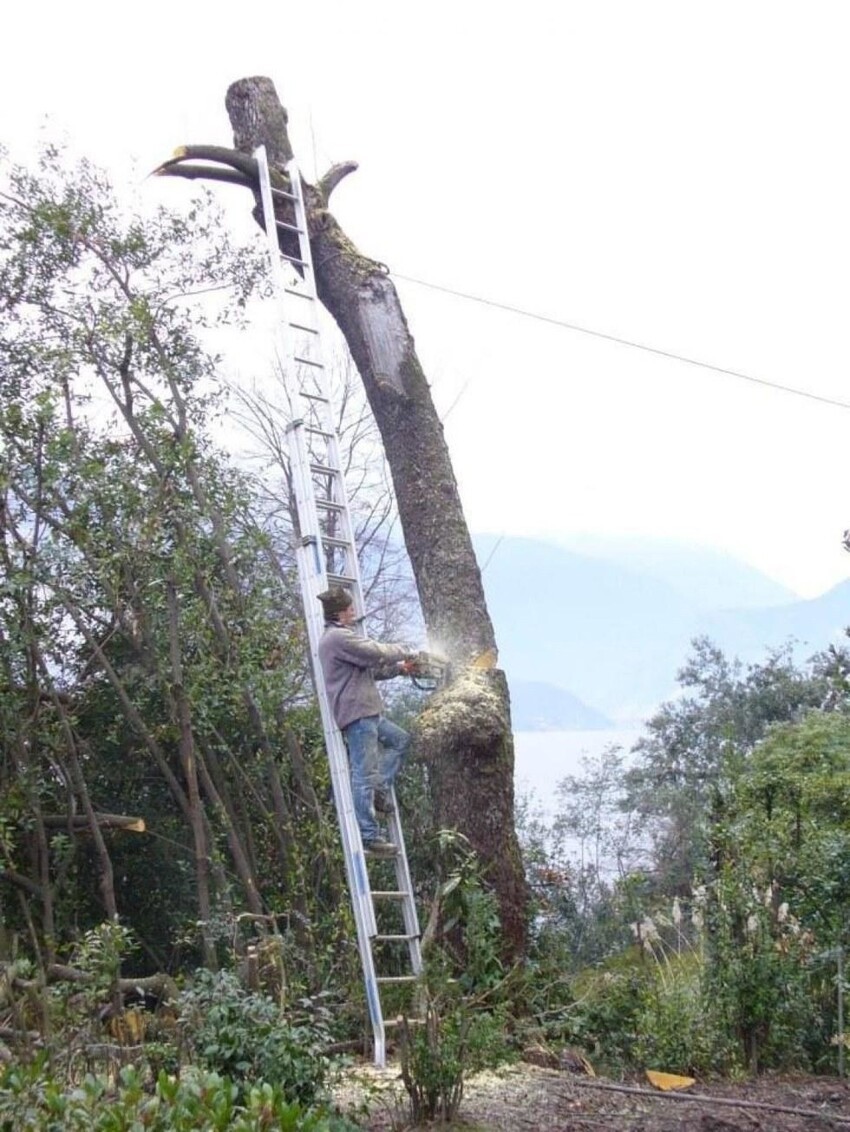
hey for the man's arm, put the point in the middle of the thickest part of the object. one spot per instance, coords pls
(369, 654)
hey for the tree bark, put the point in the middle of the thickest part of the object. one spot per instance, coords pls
(467, 733)
(188, 759)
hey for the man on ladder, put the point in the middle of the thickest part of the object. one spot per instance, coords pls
(377, 748)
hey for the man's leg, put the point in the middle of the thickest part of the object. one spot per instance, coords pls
(364, 761)
(394, 744)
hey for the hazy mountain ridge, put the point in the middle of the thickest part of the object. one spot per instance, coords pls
(536, 706)
(614, 637)
(812, 624)
(703, 575)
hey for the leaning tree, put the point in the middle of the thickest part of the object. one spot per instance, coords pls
(465, 732)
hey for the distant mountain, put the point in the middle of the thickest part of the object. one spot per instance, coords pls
(614, 636)
(543, 707)
(705, 576)
(811, 625)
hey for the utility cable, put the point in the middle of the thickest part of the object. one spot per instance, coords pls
(498, 543)
(622, 341)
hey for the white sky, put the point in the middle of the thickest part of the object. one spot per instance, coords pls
(667, 172)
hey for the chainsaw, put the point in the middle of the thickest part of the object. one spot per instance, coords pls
(427, 670)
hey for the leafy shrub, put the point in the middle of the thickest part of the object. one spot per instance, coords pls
(757, 981)
(439, 1054)
(244, 1036)
(678, 1030)
(198, 1102)
(606, 1018)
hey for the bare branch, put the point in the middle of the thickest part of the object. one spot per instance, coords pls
(332, 178)
(234, 161)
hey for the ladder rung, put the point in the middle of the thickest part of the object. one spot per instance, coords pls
(294, 259)
(394, 938)
(315, 397)
(324, 469)
(397, 979)
(410, 1021)
(330, 505)
(377, 894)
(339, 543)
(299, 294)
(306, 329)
(308, 362)
(340, 580)
(318, 432)
(282, 193)
(288, 227)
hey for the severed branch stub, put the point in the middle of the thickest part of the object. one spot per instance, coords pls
(332, 178)
(79, 823)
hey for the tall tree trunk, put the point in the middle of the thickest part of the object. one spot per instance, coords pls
(467, 731)
(188, 758)
(238, 836)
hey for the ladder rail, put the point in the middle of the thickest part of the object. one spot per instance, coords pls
(329, 554)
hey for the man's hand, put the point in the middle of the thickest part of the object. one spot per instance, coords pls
(409, 666)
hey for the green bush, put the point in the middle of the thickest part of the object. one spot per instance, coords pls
(245, 1037)
(438, 1055)
(678, 1030)
(605, 1020)
(32, 1101)
(757, 980)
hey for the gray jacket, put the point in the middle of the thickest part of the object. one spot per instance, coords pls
(350, 665)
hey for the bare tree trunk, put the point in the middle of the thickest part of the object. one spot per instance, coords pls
(190, 773)
(75, 778)
(221, 802)
(468, 734)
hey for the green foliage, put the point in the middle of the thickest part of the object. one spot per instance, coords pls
(696, 744)
(744, 791)
(792, 815)
(756, 978)
(780, 895)
(100, 953)
(579, 915)
(247, 1038)
(439, 1052)
(645, 1009)
(30, 1098)
(114, 499)
(604, 1019)
(463, 1000)
(735, 989)
(675, 1032)
(71, 1010)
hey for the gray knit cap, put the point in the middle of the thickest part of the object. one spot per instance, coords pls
(334, 601)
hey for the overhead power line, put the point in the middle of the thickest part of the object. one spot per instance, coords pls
(622, 341)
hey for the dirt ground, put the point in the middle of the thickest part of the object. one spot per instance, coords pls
(527, 1096)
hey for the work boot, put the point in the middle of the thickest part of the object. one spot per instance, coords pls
(379, 847)
(383, 802)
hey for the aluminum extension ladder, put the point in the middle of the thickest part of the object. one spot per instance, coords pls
(327, 555)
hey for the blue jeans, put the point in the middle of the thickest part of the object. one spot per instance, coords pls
(376, 752)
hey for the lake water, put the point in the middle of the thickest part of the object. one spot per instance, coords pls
(544, 758)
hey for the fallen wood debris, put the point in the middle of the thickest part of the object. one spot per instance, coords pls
(706, 1099)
